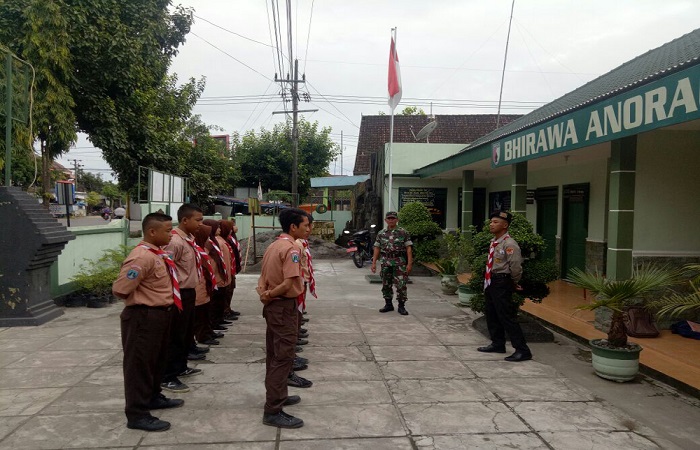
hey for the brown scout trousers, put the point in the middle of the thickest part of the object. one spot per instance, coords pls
(281, 338)
(145, 336)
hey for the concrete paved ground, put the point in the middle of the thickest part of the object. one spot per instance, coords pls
(381, 381)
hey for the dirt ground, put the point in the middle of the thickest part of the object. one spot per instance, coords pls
(320, 249)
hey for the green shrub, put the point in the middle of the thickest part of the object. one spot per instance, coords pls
(97, 276)
(537, 272)
(415, 218)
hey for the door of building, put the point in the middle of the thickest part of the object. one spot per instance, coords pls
(547, 208)
(574, 227)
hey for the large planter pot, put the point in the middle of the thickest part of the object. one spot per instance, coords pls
(465, 295)
(617, 364)
(449, 284)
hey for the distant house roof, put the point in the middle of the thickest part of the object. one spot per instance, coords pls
(337, 181)
(657, 63)
(451, 129)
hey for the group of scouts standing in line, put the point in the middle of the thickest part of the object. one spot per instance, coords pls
(178, 284)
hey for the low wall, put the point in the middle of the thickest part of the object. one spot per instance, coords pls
(89, 244)
(244, 222)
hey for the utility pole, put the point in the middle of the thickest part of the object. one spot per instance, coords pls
(295, 123)
(76, 166)
(341, 152)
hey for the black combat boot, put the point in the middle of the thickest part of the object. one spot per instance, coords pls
(402, 310)
(388, 307)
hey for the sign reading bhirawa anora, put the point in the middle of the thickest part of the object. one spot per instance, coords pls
(671, 100)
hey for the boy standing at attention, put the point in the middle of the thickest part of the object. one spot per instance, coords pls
(149, 286)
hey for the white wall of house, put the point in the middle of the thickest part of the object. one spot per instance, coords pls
(667, 215)
(405, 158)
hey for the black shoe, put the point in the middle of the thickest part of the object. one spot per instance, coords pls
(149, 423)
(162, 402)
(292, 400)
(198, 349)
(300, 360)
(218, 335)
(302, 342)
(304, 319)
(402, 310)
(226, 322)
(282, 420)
(299, 366)
(190, 371)
(519, 356)
(298, 349)
(211, 342)
(176, 386)
(234, 313)
(231, 316)
(303, 330)
(491, 349)
(220, 328)
(388, 307)
(195, 356)
(295, 380)
(303, 335)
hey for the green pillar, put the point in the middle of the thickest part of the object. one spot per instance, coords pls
(623, 162)
(518, 188)
(467, 199)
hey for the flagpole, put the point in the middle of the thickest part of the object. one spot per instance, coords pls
(391, 138)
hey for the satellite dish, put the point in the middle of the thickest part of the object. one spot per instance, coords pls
(424, 133)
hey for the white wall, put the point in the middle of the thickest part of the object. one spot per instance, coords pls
(405, 158)
(666, 204)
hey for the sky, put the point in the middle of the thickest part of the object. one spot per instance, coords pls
(451, 53)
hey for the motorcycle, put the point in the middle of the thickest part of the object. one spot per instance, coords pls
(360, 245)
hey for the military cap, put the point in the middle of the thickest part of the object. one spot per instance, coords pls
(502, 215)
(393, 214)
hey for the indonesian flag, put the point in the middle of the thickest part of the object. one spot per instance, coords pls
(394, 77)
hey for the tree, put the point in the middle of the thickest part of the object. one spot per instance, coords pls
(205, 162)
(39, 33)
(266, 157)
(111, 191)
(407, 111)
(93, 199)
(416, 219)
(88, 181)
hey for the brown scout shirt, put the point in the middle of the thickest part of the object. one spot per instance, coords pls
(144, 279)
(185, 259)
(281, 261)
(303, 261)
(220, 280)
(507, 258)
(201, 291)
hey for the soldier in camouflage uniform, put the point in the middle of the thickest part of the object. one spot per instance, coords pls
(395, 247)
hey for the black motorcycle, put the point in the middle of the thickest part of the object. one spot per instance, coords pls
(360, 245)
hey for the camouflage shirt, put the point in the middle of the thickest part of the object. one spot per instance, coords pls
(392, 246)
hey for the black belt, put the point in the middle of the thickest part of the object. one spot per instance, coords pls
(498, 276)
(162, 308)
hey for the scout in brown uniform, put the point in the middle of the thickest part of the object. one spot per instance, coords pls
(503, 272)
(181, 248)
(203, 331)
(221, 261)
(146, 285)
(279, 285)
(228, 232)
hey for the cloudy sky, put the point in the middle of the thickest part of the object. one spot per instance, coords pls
(451, 54)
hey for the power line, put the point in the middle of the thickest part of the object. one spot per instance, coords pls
(350, 121)
(229, 31)
(308, 36)
(229, 55)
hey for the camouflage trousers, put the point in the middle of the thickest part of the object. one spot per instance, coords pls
(394, 275)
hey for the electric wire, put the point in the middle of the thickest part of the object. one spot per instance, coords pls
(230, 56)
(230, 31)
(308, 37)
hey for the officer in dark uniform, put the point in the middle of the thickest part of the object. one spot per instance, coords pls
(394, 246)
(503, 272)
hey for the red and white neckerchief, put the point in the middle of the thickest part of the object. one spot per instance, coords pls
(489, 262)
(235, 242)
(221, 256)
(312, 280)
(207, 270)
(197, 256)
(233, 257)
(172, 271)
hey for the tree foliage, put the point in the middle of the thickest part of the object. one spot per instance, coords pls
(415, 218)
(266, 156)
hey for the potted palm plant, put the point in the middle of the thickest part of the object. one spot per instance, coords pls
(447, 268)
(615, 358)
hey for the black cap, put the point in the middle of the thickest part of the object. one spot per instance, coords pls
(393, 214)
(502, 215)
